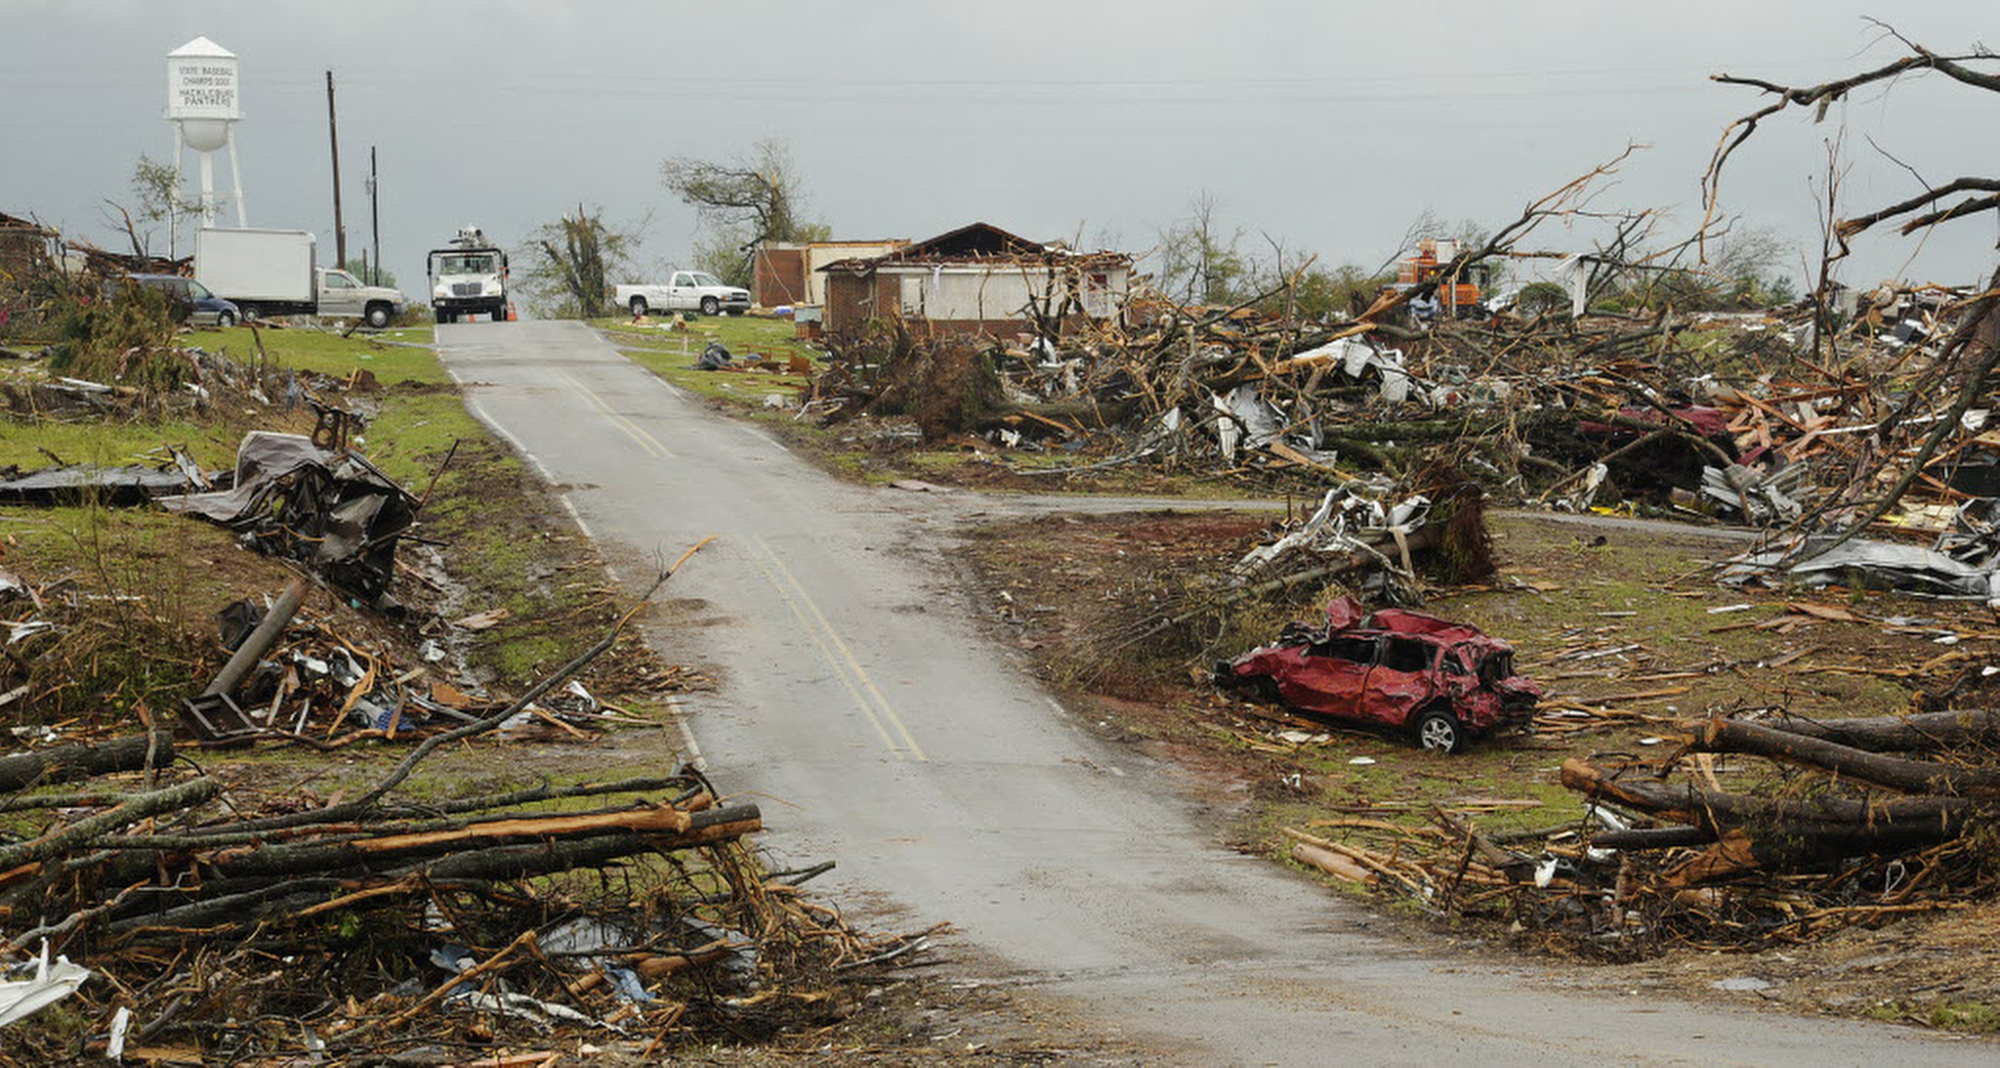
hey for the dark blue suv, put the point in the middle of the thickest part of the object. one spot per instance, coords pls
(204, 308)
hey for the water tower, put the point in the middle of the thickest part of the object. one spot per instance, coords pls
(203, 105)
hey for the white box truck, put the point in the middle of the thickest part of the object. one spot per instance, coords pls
(273, 272)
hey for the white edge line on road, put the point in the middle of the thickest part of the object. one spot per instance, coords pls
(695, 759)
(536, 461)
(540, 467)
(570, 507)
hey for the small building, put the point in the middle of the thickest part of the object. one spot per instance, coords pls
(788, 272)
(977, 279)
(28, 250)
(24, 245)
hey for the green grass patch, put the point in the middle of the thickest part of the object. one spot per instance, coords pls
(22, 444)
(393, 356)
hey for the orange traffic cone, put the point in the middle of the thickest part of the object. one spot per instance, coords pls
(510, 311)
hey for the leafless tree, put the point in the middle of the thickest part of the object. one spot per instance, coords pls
(1964, 361)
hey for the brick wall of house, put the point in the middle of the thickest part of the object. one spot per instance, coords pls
(780, 277)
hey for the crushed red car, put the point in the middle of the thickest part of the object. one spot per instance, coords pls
(1440, 681)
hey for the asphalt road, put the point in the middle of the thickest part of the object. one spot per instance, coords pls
(862, 708)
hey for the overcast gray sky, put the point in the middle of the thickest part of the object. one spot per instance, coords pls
(1330, 126)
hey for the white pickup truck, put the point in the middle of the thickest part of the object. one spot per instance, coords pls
(687, 291)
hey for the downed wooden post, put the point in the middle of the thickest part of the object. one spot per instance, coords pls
(1517, 867)
(259, 640)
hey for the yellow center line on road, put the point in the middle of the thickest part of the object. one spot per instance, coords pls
(860, 673)
(826, 654)
(637, 433)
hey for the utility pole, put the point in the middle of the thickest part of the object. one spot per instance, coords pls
(375, 214)
(333, 137)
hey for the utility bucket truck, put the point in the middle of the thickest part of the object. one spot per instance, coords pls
(468, 277)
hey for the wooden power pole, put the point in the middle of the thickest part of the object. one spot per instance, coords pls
(333, 137)
(375, 214)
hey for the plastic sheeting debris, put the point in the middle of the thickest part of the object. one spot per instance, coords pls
(49, 983)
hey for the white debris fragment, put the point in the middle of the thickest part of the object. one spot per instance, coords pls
(51, 982)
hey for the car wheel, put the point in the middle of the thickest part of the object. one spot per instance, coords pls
(710, 305)
(251, 314)
(638, 307)
(225, 320)
(378, 316)
(444, 317)
(1439, 731)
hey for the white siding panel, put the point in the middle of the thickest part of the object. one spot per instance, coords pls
(1000, 293)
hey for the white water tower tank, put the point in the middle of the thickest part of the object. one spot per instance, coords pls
(204, 105)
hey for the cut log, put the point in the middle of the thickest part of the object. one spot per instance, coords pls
(1720, 735)
(1885, 734)
(172, 799)
(244, 900)
(1933, 817)
(663, 828)
(65, 763)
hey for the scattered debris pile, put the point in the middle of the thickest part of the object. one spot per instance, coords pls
(1835, 823)
(301, 680)
(235, 920)
(1823, 413)
(335, 512)
(613, 911)
(330, 509)
(1384, 539)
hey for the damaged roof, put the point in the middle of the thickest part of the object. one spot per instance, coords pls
(15, 222)
(975, 243)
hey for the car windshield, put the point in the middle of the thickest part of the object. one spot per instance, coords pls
(465, 265)
(702, 279)
(1496, 666)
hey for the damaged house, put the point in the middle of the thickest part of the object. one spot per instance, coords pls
(977, 279)
(788, 272)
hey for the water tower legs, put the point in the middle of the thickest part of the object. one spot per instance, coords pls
(236, 180)
(173, 207)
